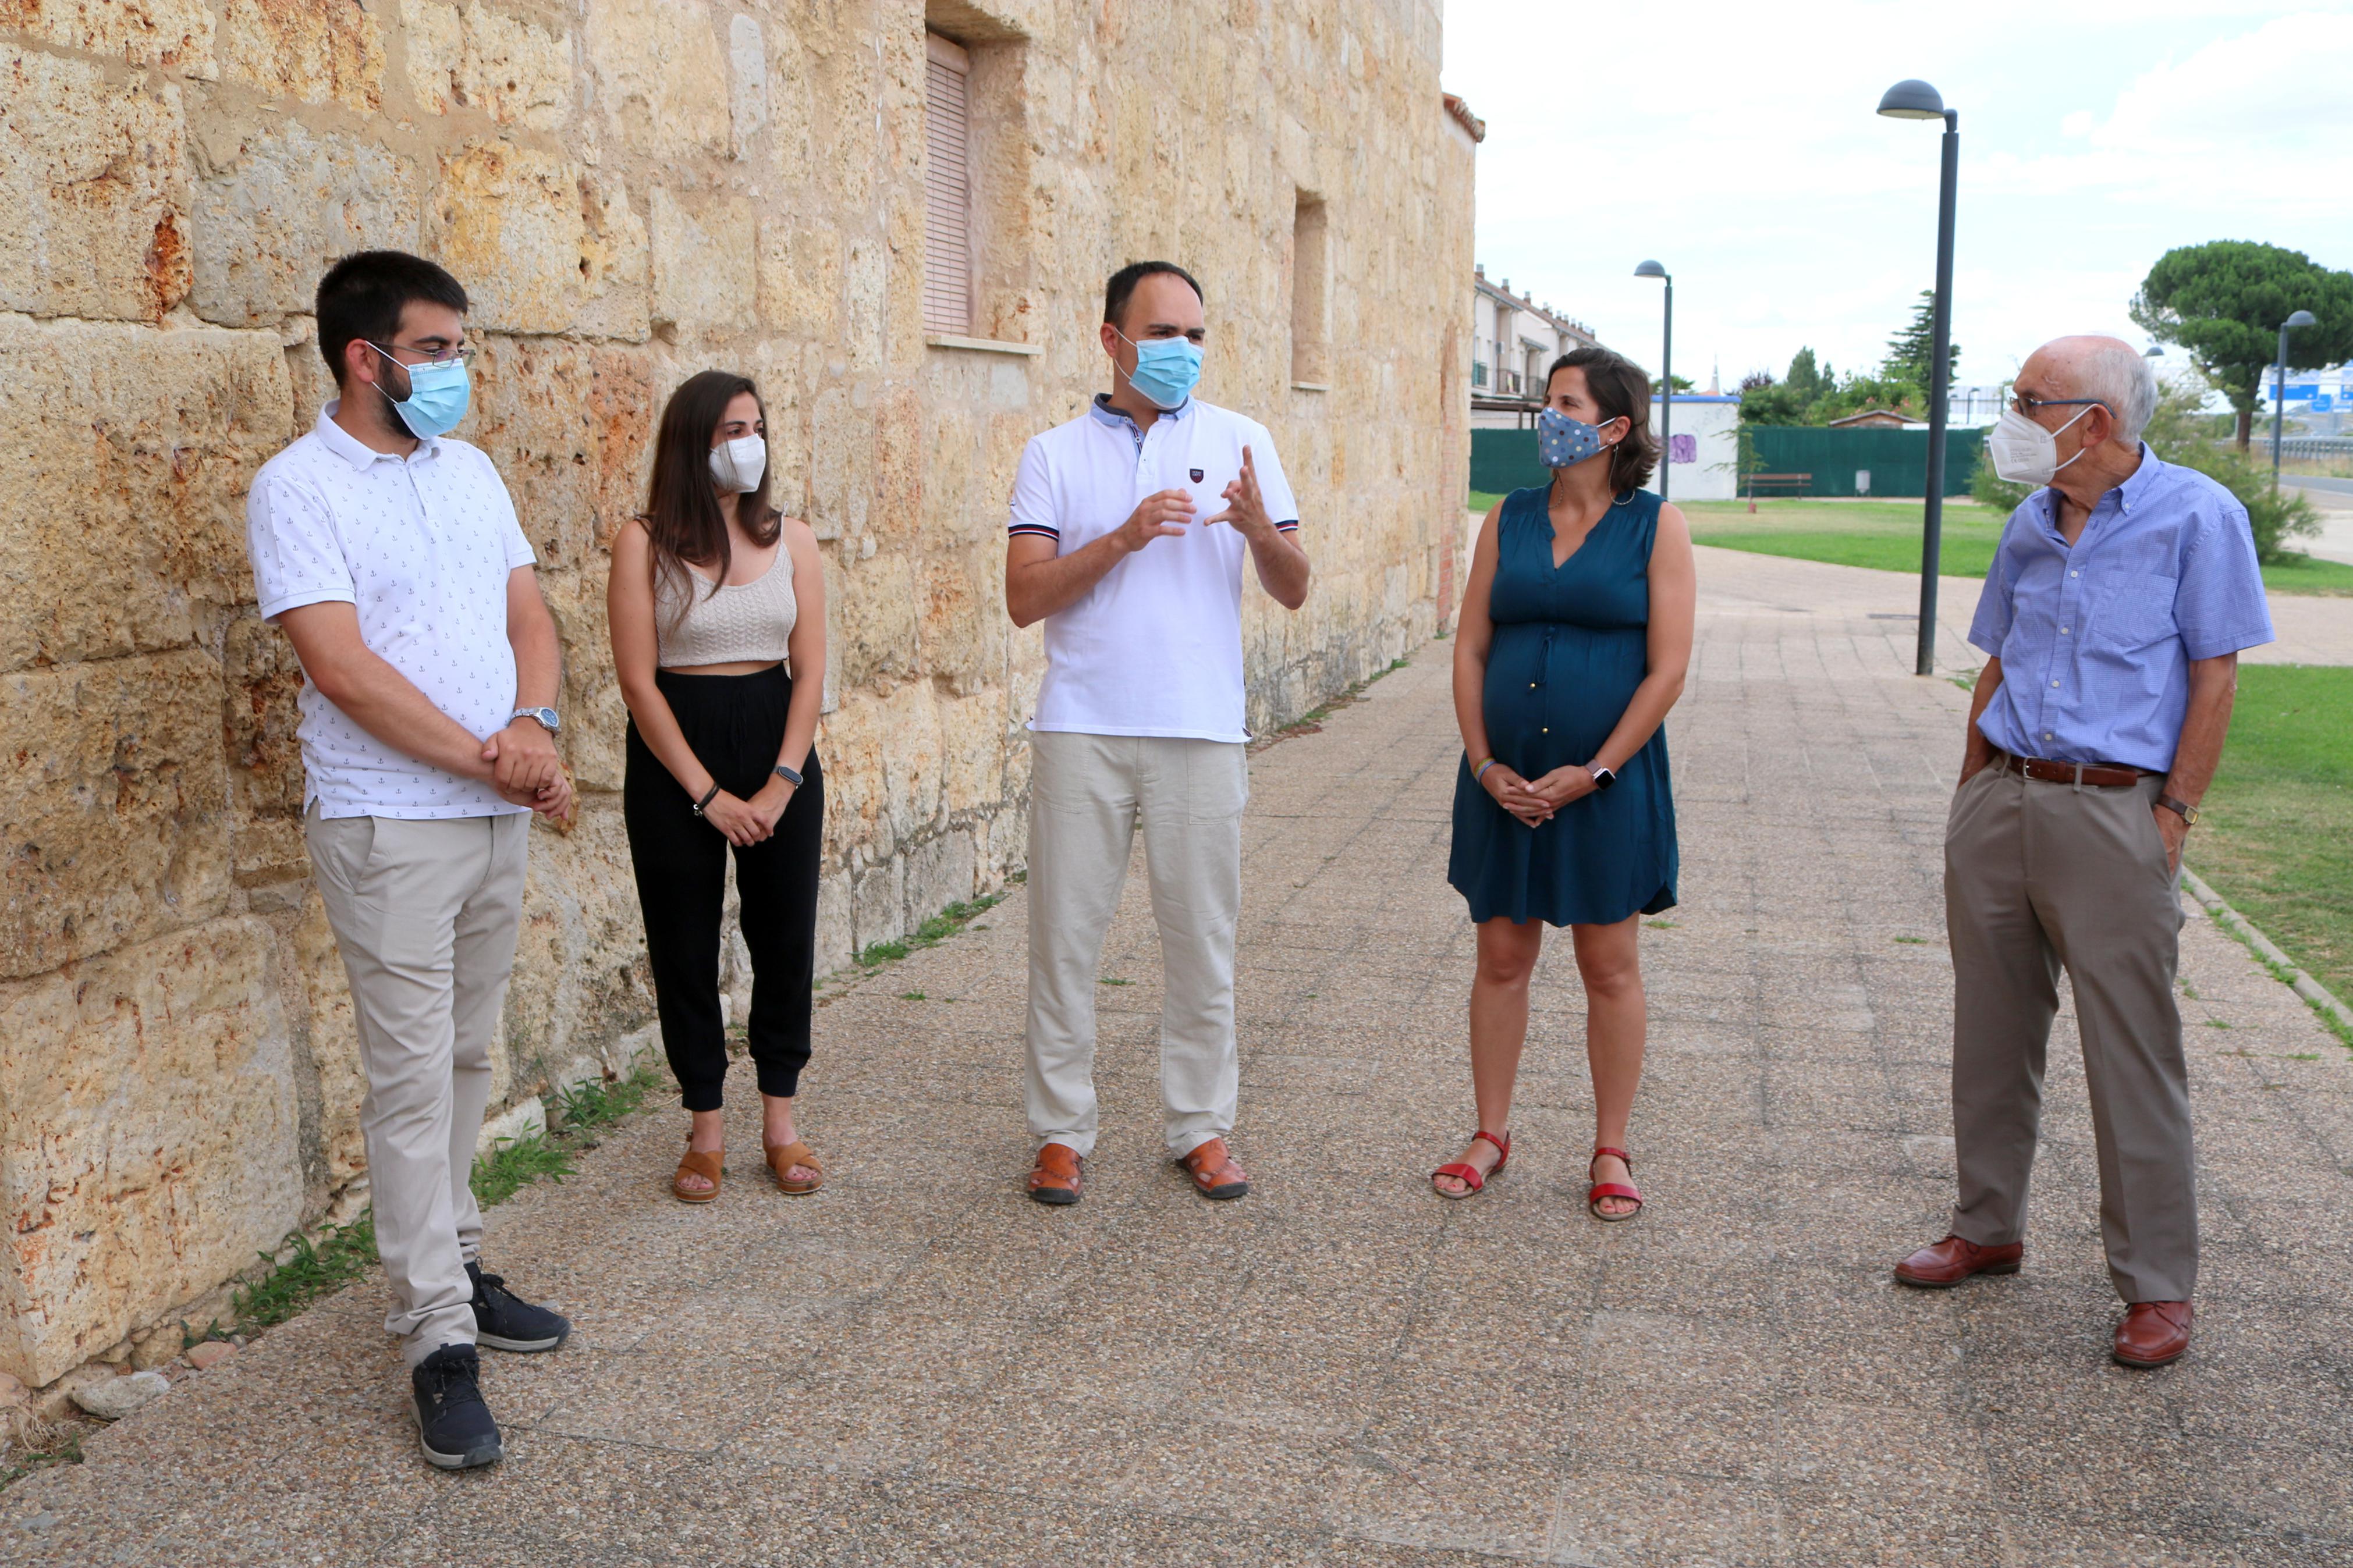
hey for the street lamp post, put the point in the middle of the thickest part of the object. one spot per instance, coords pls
(1919, 100)
(2279, 388)
(1666, 376)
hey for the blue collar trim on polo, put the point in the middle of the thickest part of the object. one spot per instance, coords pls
(1118, 419)
(358, 454)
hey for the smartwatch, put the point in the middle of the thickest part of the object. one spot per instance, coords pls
(545, 716)
(788, 775)
(1602, 778)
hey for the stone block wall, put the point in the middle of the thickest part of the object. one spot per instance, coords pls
(631, 191)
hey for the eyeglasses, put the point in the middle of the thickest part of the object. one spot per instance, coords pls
(462, 354)
(2027, 405)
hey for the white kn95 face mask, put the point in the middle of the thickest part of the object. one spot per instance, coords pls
(737, 465)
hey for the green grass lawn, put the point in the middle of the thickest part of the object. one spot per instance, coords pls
(2277, 836)
(1483, 502)
(1884, 534)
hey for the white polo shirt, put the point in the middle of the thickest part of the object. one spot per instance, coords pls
(422, 547)
(1156, 648)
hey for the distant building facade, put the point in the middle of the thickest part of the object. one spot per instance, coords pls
(1513, 340)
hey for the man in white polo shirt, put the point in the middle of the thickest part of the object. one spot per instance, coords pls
(1129, 528)
(391, 558)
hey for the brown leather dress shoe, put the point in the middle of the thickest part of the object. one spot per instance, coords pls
(1055, 1178)
(1214, 1172)
(1952, 1260)
(2153, 1334)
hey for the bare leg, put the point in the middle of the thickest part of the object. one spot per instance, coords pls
(1608, 959)
(1499, 1028)
(776, 1118)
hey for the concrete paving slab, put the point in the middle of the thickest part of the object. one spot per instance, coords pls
(918, 1365)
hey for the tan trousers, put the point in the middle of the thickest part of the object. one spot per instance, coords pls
(2037, 876)
(425, 914)
(1087, 793)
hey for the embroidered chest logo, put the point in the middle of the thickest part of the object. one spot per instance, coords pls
(1196, 473)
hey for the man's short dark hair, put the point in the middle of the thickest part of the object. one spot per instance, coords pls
(363, 295)
(1123, 283)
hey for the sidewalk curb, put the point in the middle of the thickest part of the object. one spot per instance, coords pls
(2238, 925)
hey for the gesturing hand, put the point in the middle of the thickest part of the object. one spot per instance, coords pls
(1512, 793)
(1245, 503)
(1161, 515)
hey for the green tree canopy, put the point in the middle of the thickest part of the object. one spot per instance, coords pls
(1912, 352)
(2224, 302)
(1805, 378)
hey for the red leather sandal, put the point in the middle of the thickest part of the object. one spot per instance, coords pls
(1599, 1190)
(1468, 1174)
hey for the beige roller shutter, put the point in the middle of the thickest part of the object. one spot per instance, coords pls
(947, 188)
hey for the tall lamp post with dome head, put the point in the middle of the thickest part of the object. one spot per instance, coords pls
(1666, 374)
(1916, 99)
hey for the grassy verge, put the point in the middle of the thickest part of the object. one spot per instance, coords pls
(2278, 837)
(1483, 502)
(42, 1445)
(1881, 534)
(2308, 575)
(1312, 722)
(931, 934)
(305, 1268)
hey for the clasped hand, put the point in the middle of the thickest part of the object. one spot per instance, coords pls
(752, 821)
(525, 770)
(1534, 804)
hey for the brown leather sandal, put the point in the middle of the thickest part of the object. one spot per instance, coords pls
(782, 1157)
(706, 1164)
(1055, 1178)
(1214, 1172)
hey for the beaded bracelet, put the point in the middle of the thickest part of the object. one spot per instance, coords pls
(1480, 772)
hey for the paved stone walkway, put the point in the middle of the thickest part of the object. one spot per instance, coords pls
(920, 1366)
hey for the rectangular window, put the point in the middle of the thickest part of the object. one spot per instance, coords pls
(1311, 266)
(948, 187)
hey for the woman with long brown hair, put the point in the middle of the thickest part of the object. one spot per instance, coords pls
(1575, 635)
(717, 609)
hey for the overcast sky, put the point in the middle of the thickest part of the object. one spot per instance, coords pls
(1737, 142)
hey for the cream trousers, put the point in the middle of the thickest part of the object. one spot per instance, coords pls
(1087, 794)
(425, 914)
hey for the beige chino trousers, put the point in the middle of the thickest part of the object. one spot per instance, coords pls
(425, 914)
(2038, 876)
(1087, 794)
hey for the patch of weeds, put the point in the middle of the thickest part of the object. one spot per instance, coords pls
(1312, 722)
(1108, 980)
(878, 953)
(516, 1165)
(579, 1110)
(1663, 925)
(2216, 1023)
(303, 1270)
(44, 1445)
(1912, 941)
(2301, 1057)
(1968, 683)
(935, 930)
(2191, 990)
(913, 996)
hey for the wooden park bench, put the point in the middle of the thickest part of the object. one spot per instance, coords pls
(1779, 484)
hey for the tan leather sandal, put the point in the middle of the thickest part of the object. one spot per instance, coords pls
(706, 1164)
(782, 1157)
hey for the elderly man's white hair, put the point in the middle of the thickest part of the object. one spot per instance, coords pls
(2117, 374)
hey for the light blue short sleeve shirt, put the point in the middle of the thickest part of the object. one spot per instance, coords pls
(2095, 639)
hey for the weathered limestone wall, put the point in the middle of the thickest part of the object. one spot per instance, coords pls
(632, 190)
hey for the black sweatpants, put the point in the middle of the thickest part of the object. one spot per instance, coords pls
(737, 725)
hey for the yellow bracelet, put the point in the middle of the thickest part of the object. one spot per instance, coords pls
(1480, 772)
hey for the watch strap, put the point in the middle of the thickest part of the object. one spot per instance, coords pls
(789, 776)
(2180, 808)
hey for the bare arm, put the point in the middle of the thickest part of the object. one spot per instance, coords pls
(1039, 583)
(376, 697)
(523, 755)
(1978, 753)
(1474, 635)
(807, 649)
(630, 614)
(1674, 598)
(2213, 688)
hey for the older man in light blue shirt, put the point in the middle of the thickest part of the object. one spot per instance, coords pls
(2120, 597)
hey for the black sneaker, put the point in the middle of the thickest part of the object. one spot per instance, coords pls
(505, 1322)
(453, 1424)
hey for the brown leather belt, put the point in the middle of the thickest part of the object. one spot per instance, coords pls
(2101, 776)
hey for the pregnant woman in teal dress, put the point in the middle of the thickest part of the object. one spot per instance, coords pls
(1575, 633)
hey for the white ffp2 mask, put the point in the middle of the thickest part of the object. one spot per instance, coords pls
(737, 465)
(2023, 452)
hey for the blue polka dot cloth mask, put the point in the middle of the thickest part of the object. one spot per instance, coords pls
(1563, 442)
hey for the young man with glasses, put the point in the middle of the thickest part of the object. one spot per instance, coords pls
(2120, 597)
(1130, 525)
(391, 557)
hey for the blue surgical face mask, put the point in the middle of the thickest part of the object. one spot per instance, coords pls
(1563, 442)
(1166, 369)
(437, 395)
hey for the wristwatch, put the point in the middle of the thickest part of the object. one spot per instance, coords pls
(2180, 808)
(545, 716)
(1602, 778)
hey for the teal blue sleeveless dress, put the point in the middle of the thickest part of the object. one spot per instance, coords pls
(1570, 647)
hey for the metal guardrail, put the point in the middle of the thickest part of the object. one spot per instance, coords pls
(2311, 445)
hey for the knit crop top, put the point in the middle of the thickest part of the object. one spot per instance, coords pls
(739, 623)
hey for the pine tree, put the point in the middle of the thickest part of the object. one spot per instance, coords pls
(1912, 352)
